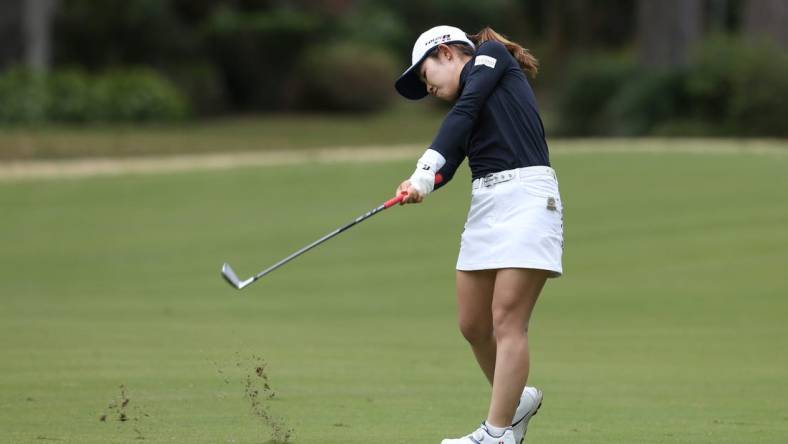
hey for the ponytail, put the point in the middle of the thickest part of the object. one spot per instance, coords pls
(527, 61)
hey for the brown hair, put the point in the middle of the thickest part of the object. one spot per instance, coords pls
(527, 61)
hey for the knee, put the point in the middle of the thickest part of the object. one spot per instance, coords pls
(475, 332)
(507, 324)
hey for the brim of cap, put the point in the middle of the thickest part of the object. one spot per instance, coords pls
(409, 85)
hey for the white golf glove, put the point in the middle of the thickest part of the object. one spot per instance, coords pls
(423, 178)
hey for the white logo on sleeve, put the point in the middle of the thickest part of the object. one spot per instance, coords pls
(485, 60)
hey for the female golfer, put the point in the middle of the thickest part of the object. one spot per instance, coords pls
(513, 238)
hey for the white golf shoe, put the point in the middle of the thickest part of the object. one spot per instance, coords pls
(482, 436)
(530, 401)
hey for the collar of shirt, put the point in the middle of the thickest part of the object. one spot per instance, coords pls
(464, 75)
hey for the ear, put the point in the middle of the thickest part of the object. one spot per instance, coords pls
(444, 52)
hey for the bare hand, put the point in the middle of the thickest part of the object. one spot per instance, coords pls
(408, 193)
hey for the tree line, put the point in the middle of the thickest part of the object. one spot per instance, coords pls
(268, 55)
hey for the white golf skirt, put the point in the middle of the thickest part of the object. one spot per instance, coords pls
(515, 221)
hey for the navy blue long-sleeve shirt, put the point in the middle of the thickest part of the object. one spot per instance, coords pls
(495, 121)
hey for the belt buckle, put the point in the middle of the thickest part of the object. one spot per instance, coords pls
(496, 178)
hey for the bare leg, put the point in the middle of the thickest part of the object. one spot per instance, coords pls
(514, 297)
(474, 304)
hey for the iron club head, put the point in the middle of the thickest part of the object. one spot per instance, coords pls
(229, 275)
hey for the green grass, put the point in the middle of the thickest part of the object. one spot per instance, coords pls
(669, 326)
(406, 123)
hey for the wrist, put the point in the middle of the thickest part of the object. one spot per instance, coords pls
(423, 181)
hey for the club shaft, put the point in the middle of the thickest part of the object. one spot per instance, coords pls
(233, 279)
(320, 241)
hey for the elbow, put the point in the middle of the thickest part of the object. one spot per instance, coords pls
(466, 113)
(445, 177)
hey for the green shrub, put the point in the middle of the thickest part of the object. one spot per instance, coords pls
(730, 87)
(257, 51)
(133, 95)
(203, 86)
(24, 97)
(644, 101)
(708, 82)
(137, 95)
(345, 77)
(742, 86)
(71, 97)
(590, 83)
(391, 31)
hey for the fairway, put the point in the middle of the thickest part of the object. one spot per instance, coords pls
(668, 327)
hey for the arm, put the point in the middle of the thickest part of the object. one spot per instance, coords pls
(492, 60)
(449, 168)
(446, 153)
(424, 178)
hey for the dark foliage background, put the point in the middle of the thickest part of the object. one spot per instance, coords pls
(715, 67)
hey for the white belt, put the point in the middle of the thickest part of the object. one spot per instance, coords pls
(505, 176)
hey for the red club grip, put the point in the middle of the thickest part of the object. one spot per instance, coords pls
(395, 200)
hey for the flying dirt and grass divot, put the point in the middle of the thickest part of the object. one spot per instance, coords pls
(257, 390)
(120, 411)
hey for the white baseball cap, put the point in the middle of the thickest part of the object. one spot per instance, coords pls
(409, 84)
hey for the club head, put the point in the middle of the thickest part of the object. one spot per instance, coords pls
(229, 275)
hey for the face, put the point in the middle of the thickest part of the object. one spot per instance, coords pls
(441, 73)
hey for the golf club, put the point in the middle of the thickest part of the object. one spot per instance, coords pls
(229, 275)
